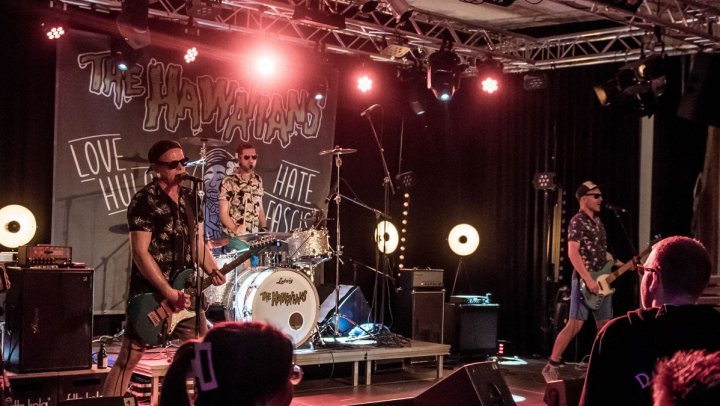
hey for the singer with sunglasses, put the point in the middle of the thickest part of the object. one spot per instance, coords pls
(240, 197)
(587, 251)
(162, 243)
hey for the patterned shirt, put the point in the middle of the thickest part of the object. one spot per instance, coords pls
(592, 240)
(245, 198)
(152, 210)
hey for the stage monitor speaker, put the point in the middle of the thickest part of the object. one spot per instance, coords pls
(471, 328)
(353, 305)
(480, 383)
(48, 325)
(701, 99)
(100, 401)
(563, 393)
(419, 314)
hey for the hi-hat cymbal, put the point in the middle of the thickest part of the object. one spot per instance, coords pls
(200, 141)
(338, 151)
(135, 158)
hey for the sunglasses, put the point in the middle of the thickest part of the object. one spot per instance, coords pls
(248, 157)
(174, 164)
(595, 195)
(642, 269)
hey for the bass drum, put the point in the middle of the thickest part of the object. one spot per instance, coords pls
(282, 297)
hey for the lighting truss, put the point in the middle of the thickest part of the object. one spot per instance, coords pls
(687, 27)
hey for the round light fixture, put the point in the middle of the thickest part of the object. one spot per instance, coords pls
(463, 239)
(386, 237)
(17, 226)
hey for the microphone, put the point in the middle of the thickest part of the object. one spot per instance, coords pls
(616, 209)
(369, 109)
(193, 179)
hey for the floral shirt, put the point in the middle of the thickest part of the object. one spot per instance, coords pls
(592, 239)
(245, 198)
(152, 210)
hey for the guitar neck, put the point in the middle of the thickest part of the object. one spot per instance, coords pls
(628, 265)
(228, 267)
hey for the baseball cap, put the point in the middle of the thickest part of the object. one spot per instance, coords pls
(159, 148)
(584, 188)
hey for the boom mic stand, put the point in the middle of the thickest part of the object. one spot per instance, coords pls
(388, 188)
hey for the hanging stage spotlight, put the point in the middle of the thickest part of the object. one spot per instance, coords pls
(640, 83)
(544, 181)
(401, 10)
(206, 9)
(123, 55)
(132, 23)
(443, 73)
(489, 73)
(17, 226)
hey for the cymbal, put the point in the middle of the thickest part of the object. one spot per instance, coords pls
(200, 141)
(338, 151)
(217, 243)
(121, 228)
(261, 234)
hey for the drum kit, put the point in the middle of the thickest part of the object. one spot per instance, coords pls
(278, 286)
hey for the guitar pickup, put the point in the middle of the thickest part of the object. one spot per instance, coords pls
(159, 314)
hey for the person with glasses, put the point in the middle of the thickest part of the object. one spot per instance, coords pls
(626, 350)
(240, 197)
(237, 363)
(587, 250)
(162, 242)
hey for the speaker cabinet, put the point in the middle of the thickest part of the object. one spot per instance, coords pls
(564, 393)
(480, 383)
(48, 325)
(352, 305)
(419, 314)
(471, 328)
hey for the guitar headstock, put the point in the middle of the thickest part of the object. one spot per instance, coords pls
(263, 242)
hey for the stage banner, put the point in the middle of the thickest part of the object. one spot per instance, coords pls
(106, 120)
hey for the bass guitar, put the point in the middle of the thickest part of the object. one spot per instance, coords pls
(605, 277)
(152, 317)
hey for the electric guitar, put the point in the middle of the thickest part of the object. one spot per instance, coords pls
(152, 317)
(605, 277)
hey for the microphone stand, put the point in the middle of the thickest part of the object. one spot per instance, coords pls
(199, 195)
(388, 188)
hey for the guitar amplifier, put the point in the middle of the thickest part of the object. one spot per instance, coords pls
(421, 278)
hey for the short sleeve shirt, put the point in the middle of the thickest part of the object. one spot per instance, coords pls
(592, 240)
(245, 198)
(152, 210)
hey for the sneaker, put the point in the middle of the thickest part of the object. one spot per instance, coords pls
(550, 373)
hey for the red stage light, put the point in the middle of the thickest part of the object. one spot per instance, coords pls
(55, 32)
(364, 83)
(266, 65)
(191, 54)
(490, 85)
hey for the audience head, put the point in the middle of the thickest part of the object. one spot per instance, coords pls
(688, 378)
(235, 364)
(676, 272)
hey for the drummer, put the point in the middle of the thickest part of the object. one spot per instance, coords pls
(240, 197)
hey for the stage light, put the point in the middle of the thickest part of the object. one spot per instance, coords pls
(364, 83)
(17, 226)
(401, 10)
(132, 23)
(54, 32)
(266, 65)
(191, 55)
(489, 73)
(535, 81)
(463, 239)
(319, 90)
(443, 72)
(544, 181)
(638, 83)
(206, 9)
(123, 55)
(386, 237)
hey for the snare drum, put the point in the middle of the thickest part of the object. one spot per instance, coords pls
(281, 297)
(309, 247)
